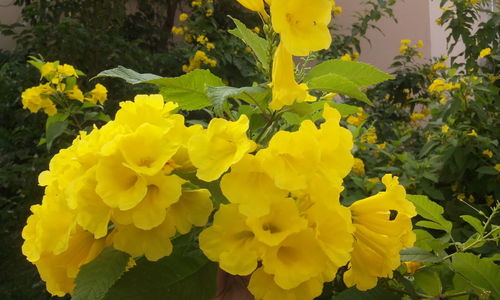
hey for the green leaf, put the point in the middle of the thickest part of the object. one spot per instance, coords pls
(333, 83)
(474, 222)
(344, 109)
(361, 74)
(487, 170)
(376, 293)
(128, 75)
(54, 130)
(218, 95)
(429, 281)
(59, 117)
(431, 211)
(189, 90)
(418, 254)
(258, 44)
(96, 278)
(480, 272)
(182, 275)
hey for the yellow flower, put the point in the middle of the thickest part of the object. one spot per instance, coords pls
(488, 153)
(193, 208)
(370, 136)
(286, 90)
(256, 29)
(75, 94)
(403, 49)
(248, 185)
(177, 30)
(346, 57)
(445, 128)
(210, 46)
(59, 271)
(230, 242)
(412, 266)
(67, 70)
(379, 235)
(183, 17)
(439, 66)
(222, 145)
(489, 200)
(302, 25)
(485, 52)
(417, 117)
(472, 133)
(359, 167)
(202, 39)
(48, 70)
(443, 99)
(98, 95)
(374, 180)
(405, 42)
(196, 3)
(440, 85)
(497, 167)
(439, 21)
(382, 146)
(461, 196)
(209, 12)
(264, 287)
(37, 98)
(420, 44)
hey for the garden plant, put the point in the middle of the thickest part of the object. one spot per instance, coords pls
(307, 175)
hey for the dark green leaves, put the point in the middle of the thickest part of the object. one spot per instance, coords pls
(480, 272)
(431, 211)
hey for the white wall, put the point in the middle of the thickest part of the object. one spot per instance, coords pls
(9, 13)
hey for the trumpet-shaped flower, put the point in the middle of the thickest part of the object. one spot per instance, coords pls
(98, 95)
(254, 5)
(296, 260)
(59, 271)
(286, 90)
(223, 144)
(154, 243)
(379, 235)
(193, 208)
(248, 185)
(282, 221)
(302, 25)
(231, 242)
(263, 287)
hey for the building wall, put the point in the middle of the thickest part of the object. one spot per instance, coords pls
(9, 13)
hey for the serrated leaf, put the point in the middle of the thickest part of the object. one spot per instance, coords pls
(219, 95)
(258, 44)
(189, 90)
(96, 278)
(361, 74)
(418, 254)
(333, 83)
(54, 130)
(182, 275)
(474, 222)
(128, 75)
(480, 272)
(430, 211)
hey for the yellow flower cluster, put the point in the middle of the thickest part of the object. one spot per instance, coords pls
(358, 118)
(359, 167)
(485, 52)
(405, 47)
(198, 60)
(285, 226)
(58, 88)
(115, 186)
(440, 85)
(370, 136)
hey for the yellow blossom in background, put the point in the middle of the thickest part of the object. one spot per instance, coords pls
(420, 44)
(48, 70)
(177, 30)
(439, 21)
(359, 167)
(445, 128)
(302, 25)
(210, 46)
(37, 98)
(472, 133)
(370, 136)
(202, 39)
(488, 153)
(337, 10)
(346, 57)
(285, 90)
(439, 66)
(485, 52)
(196, 3)
(443, 99)
(379, 237)
(254, 5)
(497, 167)
(461, 196)
(471, 199)
(382, 146)
(440, 85)
(209, 12)
(67, 70)
(256, 29)
(75, 93)
(412, 266)
(405, 42)
(330, 96)
(183, 17)
(417, 117)
(98, 95)
(489, 200)
(403, 48)
(374, 180)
